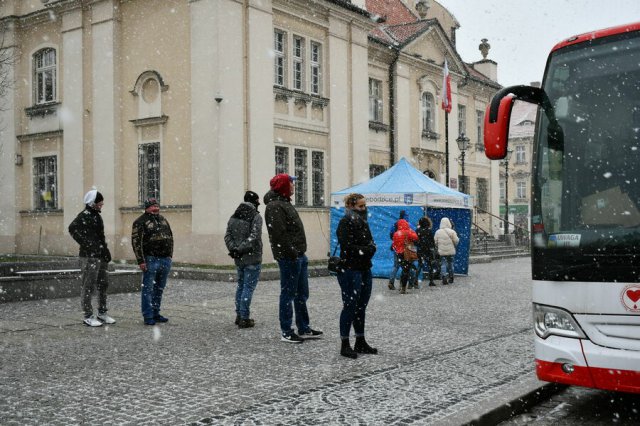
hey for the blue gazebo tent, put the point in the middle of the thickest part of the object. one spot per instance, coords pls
(403, 187)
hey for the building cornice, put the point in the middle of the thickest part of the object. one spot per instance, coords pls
(28, 137)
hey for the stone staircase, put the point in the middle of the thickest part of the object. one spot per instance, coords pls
(487, 249)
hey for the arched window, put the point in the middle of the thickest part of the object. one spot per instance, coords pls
(44, 75)
(428, 109)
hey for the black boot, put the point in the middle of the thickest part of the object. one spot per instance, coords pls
(346, 350)
(362, 347)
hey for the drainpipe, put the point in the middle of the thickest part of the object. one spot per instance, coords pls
(392, 113)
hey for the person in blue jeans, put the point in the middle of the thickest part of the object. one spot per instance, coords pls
(152, 242)
(396, 260)
(289, 244)
(446, 240)
(244, 242)
(354, 274)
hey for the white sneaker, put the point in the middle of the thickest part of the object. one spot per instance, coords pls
(106, 319)
(92, 322)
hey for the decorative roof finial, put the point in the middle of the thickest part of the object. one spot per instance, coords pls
(484, 48)
(422, 6)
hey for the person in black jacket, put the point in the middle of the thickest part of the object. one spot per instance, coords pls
(87, 229)
(244, 242)
(152, 242)
(354, 274)
(289, 244)
(426, 248)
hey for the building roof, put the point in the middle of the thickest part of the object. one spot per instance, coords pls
(393, 12)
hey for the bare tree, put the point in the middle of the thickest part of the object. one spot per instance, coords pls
(7, 59)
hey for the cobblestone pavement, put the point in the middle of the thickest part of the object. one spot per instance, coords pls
(442, 350)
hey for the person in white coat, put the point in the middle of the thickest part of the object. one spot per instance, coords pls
(446, 240)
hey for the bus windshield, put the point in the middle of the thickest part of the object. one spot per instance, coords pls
(586, 186)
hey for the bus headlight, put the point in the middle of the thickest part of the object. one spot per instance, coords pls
(555, 321)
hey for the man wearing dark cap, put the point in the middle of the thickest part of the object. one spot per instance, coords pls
(244, 242)
(289, 244)
(152, 242)
(87, 229)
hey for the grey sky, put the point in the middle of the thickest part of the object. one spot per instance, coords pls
(522, 32)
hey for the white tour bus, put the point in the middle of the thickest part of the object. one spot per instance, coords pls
(585, 208)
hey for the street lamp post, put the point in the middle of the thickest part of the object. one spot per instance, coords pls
(463, 145)
(506, 192)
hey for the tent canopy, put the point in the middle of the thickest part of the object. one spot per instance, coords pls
(403, 187)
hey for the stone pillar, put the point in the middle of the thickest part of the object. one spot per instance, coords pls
(340, 142)
(402, 111)
(360, 104)
(105, 116)
(73, 184)
(260, 161)
(217, 128)
(8, 210)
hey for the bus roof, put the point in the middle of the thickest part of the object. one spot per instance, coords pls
(597, 34)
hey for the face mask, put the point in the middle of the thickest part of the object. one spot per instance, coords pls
(362, 214)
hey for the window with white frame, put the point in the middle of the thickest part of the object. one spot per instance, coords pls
(45, 183)
(428, 108)
(316, 67)
(308, 186)
(282, 160)
(375, 100)
(44, 75)
(482, 193)
(462, 119)
(480, 129)
(300, 170)
(148, 171)
(317, 178)
(502, 189)
(521, 155)
(279, 48)
(521, 189)
(298, 63)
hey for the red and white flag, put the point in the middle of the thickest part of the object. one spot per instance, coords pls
(446, 89)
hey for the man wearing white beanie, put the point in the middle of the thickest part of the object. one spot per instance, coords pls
(87, 229)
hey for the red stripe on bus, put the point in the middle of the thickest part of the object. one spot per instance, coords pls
(591, 377)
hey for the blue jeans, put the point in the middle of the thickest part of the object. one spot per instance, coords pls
(446, 266)
(356, 291)
(396, 266)
(154, 281)
(294, 288)
(247, 281)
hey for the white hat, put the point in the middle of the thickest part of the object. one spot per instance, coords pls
(92, 197)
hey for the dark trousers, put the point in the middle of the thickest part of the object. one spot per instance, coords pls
(425, 260)
(406, 271)
(294, 290)
(356, 291)
(94, 278)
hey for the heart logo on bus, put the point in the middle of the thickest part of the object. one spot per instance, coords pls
(630, 298)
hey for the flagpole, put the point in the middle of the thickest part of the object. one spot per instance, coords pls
(446, 146)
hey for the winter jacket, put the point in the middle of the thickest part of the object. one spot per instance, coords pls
(403, 233)
(356, 243)
(244, 235)
(151, 236)
(286, 231)
(87, 229)
(446, 239)
(426, 243)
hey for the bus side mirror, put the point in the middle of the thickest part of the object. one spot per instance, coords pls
(496, 128)
(498, 116)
